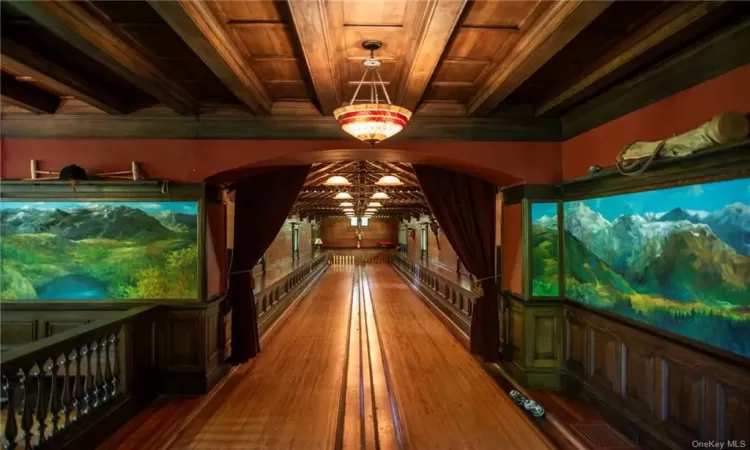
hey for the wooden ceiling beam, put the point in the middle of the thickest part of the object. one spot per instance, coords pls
(76, 26)
(27, 96)
(439, 19)
(542, 40)
(667, 25)
(311, 22)
(24, 61)
(199, 28)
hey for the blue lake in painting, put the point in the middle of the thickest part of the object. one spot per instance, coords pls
(73, 286)
(677, 259)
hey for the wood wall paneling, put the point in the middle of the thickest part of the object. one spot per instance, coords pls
(336, 232)
(659, 392)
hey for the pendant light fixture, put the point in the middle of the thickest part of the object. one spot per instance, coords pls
(374, 205)
(373, 121)
(337, 180)
(343, 196)
(389, 180)
(346, 204)
(380, 196)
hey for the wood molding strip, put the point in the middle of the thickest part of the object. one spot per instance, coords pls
(182, 127)
(200, 29)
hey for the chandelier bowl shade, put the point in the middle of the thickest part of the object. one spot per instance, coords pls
(337, 180)
(343, 196)
(380, 196)
(371, 210)
(374, 205)
(351, 210)
(372, 122)
(346, 204)
(389, 180)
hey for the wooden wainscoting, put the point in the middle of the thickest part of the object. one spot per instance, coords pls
(531, 340)
(659, 392)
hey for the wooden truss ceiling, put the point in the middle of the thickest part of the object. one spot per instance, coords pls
(452, 58)
(316, 199)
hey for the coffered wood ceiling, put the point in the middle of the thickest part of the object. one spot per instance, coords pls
(517, 62)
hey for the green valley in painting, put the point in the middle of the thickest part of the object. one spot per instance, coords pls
(98, 250)
(677, 259)
(545, 260)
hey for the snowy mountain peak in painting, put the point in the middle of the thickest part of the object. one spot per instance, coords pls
(677, 259)
(547, 222)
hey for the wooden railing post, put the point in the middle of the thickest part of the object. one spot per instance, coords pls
(11, 427)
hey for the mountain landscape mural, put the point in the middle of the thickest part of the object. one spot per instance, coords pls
(677, 259)
(545, 259)
(98, 250)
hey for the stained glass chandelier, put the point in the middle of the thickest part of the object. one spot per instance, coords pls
(373, 121)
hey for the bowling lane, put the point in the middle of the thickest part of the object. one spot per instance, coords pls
(287, 397)
(445, 400)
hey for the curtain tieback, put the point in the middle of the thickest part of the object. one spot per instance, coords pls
(252, 278)
(477, 288)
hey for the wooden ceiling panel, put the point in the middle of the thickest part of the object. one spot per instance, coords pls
(448, 92)
(259, 11)
(392, 37)
(265, 40)
(460, 70)
(375, 12)
(355, 68)
(293, 90)
(479, 43)
(508, 14)
(277, 69)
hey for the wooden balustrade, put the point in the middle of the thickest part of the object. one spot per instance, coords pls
(58, 387)
(456, 301)
(360, 256)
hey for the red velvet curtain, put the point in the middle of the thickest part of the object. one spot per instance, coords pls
(464, 207)
(261, 204)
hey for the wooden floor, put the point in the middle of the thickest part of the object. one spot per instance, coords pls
(360, 362)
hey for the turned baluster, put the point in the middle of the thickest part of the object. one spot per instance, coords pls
(27, 414)
(77, 387)
(97, 355)
(107, 370)
(11, 428)
(87, 382)
(41, 405)
(54, 398)
(67, 396)
(115, 340)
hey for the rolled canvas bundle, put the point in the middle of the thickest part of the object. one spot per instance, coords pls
(722, 129)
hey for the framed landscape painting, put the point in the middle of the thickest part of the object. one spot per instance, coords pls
(545, 257)
(99, 250)
(677, 259)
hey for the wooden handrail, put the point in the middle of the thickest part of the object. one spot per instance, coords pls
(69, 339)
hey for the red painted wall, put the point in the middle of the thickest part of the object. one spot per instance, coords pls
(512, 275)
(185, 160)
(673, 115)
